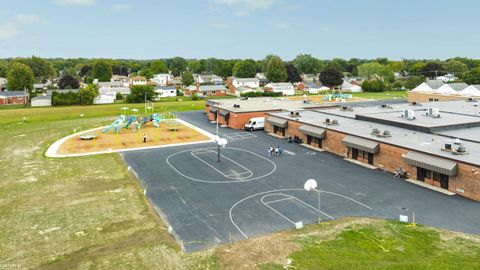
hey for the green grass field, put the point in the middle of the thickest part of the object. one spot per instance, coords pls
(382, 95)
(90, 213)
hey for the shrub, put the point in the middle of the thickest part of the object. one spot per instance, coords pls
(261, 94)
(87, 95)
(118, 96)
(138, 93)
(374, 85)
(69, 98)
(195, 96)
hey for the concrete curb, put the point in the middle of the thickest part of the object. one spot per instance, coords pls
(52, 150)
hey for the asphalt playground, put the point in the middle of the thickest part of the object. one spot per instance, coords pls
(248, 193)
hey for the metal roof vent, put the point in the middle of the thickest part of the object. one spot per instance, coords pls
(386, 133)
(457, 141)
(376, 131)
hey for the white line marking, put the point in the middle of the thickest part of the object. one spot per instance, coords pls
(279, 200)
(281, 190)
(289, 152)
(300, 201)
(193, 153)
(167, 160)
(271, 208)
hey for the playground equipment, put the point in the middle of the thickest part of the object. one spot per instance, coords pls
(334, 96)
(130, 118)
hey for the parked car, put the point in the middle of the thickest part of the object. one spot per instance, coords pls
(255, 123)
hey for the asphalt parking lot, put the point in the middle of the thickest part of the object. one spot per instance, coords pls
(250, 193)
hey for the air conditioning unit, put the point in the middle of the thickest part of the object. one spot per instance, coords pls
(405, 113)
(457, 141)
(376, 131)
(448, 146)
(433, 112)
(410, 115)
(386, 133)
(335, 122)
(461, 148)
(327, 120)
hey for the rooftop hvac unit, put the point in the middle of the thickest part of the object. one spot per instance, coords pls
(461, 149)
(434, 112)
(457, 141)
(408, 114)
(297, 114)
(386, 133)
(335, 121)
(375, 131)
(405, 113)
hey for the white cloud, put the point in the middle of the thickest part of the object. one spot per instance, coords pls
(29, 18)
(220, 25)
(16, 24)
(75, 2)
(281, 25)
(245, 7)
(8, 30)
(121, 7)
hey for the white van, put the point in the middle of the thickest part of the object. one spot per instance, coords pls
(255, 123)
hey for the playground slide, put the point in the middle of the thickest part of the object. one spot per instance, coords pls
(156, 120)
(130, 120)
(117, 123)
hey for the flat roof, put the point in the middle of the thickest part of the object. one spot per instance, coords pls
(401, 137)
(265, 104)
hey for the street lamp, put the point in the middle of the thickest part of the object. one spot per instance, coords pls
(311, 185)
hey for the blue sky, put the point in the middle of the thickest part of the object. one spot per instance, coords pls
(148, 29)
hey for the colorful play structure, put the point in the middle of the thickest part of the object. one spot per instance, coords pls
(131, 118)
(335, 96)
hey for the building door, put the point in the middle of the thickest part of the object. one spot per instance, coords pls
(275, 129)
(370, 158)
(421, 174)
(309, 139)
(283, 131)
(354, 153)
(319, 142)
(444, 181)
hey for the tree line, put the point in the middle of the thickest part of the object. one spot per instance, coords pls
(23, 72)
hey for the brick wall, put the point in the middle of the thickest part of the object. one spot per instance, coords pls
(466, 183)
(13, 100)
(238, 120)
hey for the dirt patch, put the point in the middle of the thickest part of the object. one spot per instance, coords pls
(128, 138)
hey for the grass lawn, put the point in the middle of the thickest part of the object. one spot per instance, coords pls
(90, 212)
(382, 95)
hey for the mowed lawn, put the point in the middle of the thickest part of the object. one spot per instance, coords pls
(90, 213)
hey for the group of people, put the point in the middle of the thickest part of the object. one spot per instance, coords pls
(275, 152)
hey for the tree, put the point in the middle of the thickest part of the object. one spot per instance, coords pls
(414, 81)
(245, 69)
(455, 67)
(158, 66)
(225, 68)
(369, 70)
(195, 66)
(374, 85)
(87, 94)
(275, 69)
(432, 70)
(472, 77)
(292, 73)
(84, 71)
(19, 77)
(147, 73)
(331, 77)
(102, 70)
(139, 92)
(41, 68)
(187, 78)
(306, 64)
(68, 82)
(178, 65)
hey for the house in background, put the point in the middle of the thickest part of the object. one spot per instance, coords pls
(113, 84)
(206, 90)
(207, 79)
(122, 79)
(104, 99)
(165, 91)
(41, 101)
(139, 80)
(249, 82)
(163, 79)
(309, 78)
(263, 79)
(13, 97)
(350, 87)
(124, 91)
(286, 89)
(244, 89)
(3, 84)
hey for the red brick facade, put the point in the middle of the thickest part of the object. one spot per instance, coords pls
(13, 100)
(466, 183)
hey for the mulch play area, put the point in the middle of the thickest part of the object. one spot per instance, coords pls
(128, 138)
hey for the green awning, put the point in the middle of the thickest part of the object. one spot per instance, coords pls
(431, 163)
(313, 131)
(276, 121)
(361, 144)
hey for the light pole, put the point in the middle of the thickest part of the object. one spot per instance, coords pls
(311, 185)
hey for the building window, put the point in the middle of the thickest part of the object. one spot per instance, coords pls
(213, 92)
(436, 176)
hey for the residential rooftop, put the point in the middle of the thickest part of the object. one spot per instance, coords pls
(265, 104)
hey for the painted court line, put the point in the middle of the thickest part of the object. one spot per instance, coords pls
(194, 154)
(281, 190)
